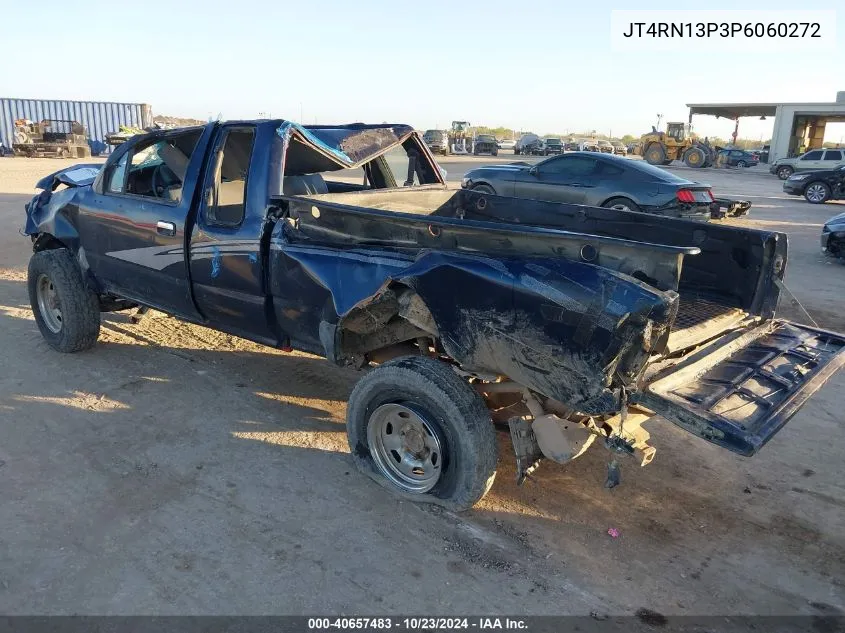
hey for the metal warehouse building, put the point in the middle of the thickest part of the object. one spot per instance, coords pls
(98, 117)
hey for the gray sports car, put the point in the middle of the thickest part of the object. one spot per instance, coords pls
(597, 180)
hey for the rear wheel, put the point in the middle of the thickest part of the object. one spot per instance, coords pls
(817, 193)
(694, 157)
(785, 172)
(66, 309)
(421, 430)
(621, 204)
(655, 154)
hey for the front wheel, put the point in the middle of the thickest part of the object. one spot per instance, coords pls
(817, 193)
(741, 163)
(694, 157)
(484, 189)
(655, 154)
(784, 172)
(419, 429)
(66, 309)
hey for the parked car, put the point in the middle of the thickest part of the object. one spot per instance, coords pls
(817, 187)
(589, 146)
(569, 323)
(572, 146)
(620, 149)
(833, 236)
(552, 145)
(739, 158)
(485, 144)
(529, 144)
(605, 147)
(507, 144)
(437, 141)
(810, 161)
(599, 180)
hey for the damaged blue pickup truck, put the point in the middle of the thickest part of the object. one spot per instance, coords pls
(571, 325)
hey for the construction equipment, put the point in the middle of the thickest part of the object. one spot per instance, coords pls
(460, 140)
(51, 138)
(677, 143)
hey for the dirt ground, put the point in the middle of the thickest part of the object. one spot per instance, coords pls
(177, 470)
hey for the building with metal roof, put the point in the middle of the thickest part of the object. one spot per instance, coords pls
(798, 127)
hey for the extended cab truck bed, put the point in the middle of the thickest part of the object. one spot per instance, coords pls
(566, 322)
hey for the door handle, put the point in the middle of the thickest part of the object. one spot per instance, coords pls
(166, 228)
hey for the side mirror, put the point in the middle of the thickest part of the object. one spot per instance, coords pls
(533, 171)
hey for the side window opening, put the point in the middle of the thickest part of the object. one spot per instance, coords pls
(155, 168)
(402, 165)
(117, 175)
(227, 206)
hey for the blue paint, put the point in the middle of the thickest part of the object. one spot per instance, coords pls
(215, 262)
(253, 257)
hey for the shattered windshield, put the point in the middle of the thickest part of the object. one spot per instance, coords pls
(146, 157)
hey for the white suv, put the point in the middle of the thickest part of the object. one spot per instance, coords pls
(813, 160)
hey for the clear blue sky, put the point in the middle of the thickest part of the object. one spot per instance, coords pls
(543, 65)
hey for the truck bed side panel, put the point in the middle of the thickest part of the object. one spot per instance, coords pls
(562, 328)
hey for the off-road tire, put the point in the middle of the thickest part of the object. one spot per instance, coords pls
(655, 154)
(461, 418)
(80, 309)
(784, 172)
(695, 157)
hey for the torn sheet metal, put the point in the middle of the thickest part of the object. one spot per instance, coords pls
(561, 328)
(74, 176)
(311, 149)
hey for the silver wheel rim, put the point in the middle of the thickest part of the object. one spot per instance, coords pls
(48, 303)
(621, 207)
(815, 193)
(784, 173)
(405, 448)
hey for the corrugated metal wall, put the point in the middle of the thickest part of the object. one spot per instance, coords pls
(98, 117)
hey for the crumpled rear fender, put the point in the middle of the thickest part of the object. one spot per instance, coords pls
(568, 330)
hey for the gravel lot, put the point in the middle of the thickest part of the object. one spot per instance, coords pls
(177, 470)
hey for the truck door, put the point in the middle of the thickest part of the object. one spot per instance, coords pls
(225, 246)
(132, 222)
